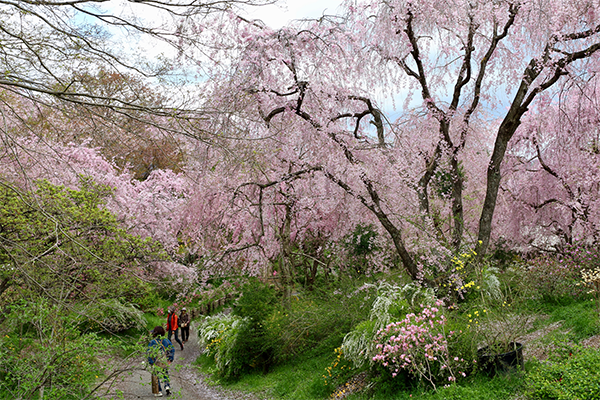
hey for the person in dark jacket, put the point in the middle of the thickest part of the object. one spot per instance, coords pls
(160, 354)
(172, 326)
(184, 324)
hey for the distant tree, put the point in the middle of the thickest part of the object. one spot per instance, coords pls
(553, 173)
(47, 45)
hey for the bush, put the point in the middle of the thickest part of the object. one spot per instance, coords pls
(45, 353)
(418, 344)
(553, 279)
(317, 321)
(255, 343)
(391, 304)
(220, 335)
(240, 341)
(112, 316)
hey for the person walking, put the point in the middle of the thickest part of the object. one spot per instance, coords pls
(184, 323)
(160, 354)
(172, 326)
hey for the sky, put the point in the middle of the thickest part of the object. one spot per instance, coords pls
(275, 16)
(284, 11)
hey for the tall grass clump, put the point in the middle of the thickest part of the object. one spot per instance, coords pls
(219, 335)
(317, 320)
(240, 341)
(392, 302)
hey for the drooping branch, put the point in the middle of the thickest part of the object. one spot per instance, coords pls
(372, 202)
(519, 105)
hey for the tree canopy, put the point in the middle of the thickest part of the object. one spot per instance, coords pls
(442, 125)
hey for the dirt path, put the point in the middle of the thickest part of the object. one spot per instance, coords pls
(186, 381)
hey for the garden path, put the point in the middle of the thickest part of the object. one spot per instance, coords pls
(186, 381)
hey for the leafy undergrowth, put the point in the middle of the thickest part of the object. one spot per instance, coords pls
(306, 376)
(502, 387)
(388, 339)
(580, 318)
(302, 380)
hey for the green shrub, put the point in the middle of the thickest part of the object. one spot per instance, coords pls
(45, 353)
(256, 303)
(255, 344)
(220, 335)
(360, 244)
(391, 304)
(148, 300)
(359, 344)
(240, 341)
(317, 320)
(552, 279)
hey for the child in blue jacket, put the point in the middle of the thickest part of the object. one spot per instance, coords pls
(160, 354)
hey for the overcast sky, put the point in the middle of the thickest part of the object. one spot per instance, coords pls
(280, 14)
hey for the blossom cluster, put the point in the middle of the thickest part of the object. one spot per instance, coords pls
(591, 277)
(417, 344)
(458, 276)
(339, 367)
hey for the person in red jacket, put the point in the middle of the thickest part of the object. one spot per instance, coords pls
(172, 326)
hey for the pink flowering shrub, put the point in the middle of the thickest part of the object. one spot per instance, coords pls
(418, 344)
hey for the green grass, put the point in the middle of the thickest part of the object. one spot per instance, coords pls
(581, 318)
(475, 388)
(300, 372)
(297, 380)
(153, 320)
(303, 380)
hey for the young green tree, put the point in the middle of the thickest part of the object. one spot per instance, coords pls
(65, 264)
(60, 244)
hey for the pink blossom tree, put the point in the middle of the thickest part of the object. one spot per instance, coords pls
(399, 113)
(317, 91)
(552, 177)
